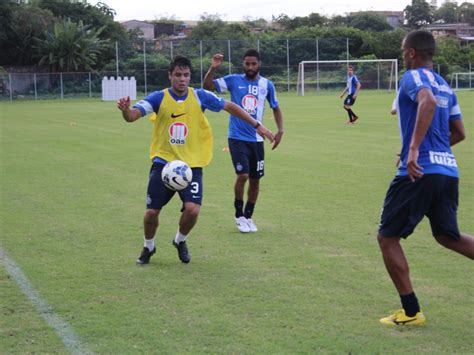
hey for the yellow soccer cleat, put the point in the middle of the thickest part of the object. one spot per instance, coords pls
(401, 319)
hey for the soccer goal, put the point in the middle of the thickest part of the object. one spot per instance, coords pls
(377, 74)
(462, 81)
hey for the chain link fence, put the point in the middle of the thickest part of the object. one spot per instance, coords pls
(148, 62)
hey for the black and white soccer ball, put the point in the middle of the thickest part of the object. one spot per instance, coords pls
(177, 175)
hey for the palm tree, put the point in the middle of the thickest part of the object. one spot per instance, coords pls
(70, 47)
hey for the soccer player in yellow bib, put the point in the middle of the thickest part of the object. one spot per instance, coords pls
(181, 131)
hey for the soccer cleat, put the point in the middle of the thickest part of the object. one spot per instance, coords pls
(183, 253)
(242, 224)
(400, 319)
(145, 256)
(251, 225)
(349, 122)
(355, 118)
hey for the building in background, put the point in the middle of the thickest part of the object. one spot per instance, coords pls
(147, 29)
(461, 31)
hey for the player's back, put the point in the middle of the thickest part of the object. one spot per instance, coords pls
(436, 142)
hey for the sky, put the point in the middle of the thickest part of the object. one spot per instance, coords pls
(242, 9)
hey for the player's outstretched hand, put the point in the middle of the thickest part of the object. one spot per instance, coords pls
(414, 170)
(265, 133)
(277, 139)
(124, 103)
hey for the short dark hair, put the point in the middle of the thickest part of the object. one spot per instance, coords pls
(350, 66)
(180, 62)
(251, 53)
(422, 42)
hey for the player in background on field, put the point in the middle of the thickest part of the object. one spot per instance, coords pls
(180, 132)
(249, 91)
(426, 183)
(352, 88)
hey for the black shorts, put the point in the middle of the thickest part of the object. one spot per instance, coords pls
(406, 202)
(158, 195)
(247, 157)
(349, 101)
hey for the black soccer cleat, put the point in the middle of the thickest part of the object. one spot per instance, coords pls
(183, 254)
(145, 256)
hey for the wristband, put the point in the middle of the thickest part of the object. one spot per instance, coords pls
(257, 125)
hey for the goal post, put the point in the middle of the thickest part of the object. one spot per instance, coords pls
(316, 75)
(462, 81)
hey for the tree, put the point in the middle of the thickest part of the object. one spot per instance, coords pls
(466, 13)
(418, 14)
(19, 26)
(368, 21)
(211, 27)
(290, 24)
(105, 9)
(69, 47)
(447, 13)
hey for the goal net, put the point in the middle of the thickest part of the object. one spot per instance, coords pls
(377, 74)
(462, 81)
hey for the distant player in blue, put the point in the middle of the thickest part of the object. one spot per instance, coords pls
(249, 91)
(426, 183)
(352, 88)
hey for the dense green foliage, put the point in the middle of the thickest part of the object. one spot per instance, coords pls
(35, 34)
(23, 25)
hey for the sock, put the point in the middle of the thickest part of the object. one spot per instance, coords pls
(410, 304)
(239, 205)
(249, 209)
(349, 114)
(352, 113)
(180, 237)
(149, 244)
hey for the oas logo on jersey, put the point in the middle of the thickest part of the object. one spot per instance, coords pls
(249, 104)
(178, 132)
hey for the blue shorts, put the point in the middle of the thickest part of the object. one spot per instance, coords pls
(349, 101)
(406, 202)
(158, 195)
(247, 157)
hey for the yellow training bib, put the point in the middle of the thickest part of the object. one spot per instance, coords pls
(181, 131)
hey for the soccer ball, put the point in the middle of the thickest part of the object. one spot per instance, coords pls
(177, 175)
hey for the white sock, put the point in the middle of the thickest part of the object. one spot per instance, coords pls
(149, 244)
(180, 237)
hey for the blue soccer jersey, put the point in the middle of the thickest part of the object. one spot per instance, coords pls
(251, 96)
(435, 156)
(352, 84)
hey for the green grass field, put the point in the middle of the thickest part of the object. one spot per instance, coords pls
(312, 280)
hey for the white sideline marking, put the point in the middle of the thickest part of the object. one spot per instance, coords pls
(61, 327)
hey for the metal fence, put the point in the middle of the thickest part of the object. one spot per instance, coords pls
(148, 62)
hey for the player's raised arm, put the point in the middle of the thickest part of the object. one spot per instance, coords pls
(216, 62)
(129, 115)
(235, 110)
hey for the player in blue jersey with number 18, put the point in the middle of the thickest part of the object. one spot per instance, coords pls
(250, 91)
(426, 183)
